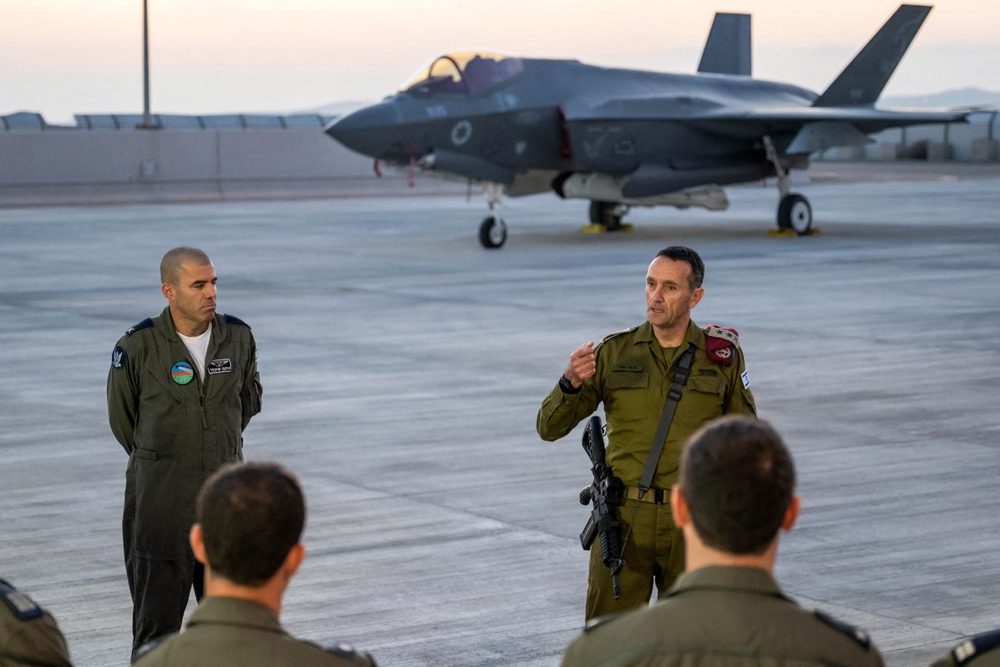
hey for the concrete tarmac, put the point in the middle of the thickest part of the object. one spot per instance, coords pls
(403, 366)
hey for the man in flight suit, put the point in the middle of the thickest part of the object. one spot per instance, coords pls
(982, 650)
(736, 494)
(250, 519)
(28, 634)
(181, 389)
(631, 372)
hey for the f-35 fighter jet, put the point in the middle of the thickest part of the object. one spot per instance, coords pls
(624, 138)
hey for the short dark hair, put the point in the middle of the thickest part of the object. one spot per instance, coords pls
(680, 253)
(251, 515)
(738, 479)
(173, 259)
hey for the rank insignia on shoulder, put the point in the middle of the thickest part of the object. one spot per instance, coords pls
(118, 357)
(859, 636)
(721, 343)
(145, 324)
(23, 607)
(618, 333)
(975, 647)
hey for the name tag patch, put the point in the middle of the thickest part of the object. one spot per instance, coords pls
(216, 366)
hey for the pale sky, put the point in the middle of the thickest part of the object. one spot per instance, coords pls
(214, 56)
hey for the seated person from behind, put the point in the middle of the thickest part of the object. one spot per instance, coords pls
(249, 521)
(735, 494)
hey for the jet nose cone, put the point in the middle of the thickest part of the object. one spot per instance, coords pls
(368, 131)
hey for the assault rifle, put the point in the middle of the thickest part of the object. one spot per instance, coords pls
(604, 495)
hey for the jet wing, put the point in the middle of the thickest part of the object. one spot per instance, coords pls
(814, 128)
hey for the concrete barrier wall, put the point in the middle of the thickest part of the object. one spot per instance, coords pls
(66, 167)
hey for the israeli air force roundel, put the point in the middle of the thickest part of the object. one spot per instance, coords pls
(181, 372)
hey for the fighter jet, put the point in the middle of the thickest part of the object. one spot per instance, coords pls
(622, 138)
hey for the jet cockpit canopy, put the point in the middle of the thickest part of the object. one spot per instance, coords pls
(463, 73)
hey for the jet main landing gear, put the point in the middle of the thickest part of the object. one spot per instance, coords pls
(606, 216)
(794, 212)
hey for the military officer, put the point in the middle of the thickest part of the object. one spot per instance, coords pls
(982, 650)
(28, 634)
(250, 518)
(181, 389)
(633, 373)
(735, 495)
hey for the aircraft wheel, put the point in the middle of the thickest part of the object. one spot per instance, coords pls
(795, 213)
(492, 232)
(605, 213)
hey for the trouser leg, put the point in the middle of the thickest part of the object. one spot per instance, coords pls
(669, 551)
(637, 574)
(160, 592)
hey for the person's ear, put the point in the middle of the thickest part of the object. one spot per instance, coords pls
(197, 539)
(791, 514)
(168, 291)
(679, 507)
(294, 559)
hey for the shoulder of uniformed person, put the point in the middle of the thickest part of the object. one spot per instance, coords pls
(614, 339)
(28, 634)
(233, 320)
(130, 341)
(856, 636)
(722, 344)
(344, 654)
(982, 650)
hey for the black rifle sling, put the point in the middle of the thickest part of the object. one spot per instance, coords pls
(673, 398)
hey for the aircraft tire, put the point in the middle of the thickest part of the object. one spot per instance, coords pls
(795, 213)
(492, 232)
(603, 213)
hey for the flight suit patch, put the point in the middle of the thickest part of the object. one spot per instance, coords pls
(181, 372)
(216, 366)
(118, 357)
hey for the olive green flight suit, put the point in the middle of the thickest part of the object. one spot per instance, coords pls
(28, 634)
(176, 436)
(633, 378)
(231, 632)
(982, 650)
(725, 616)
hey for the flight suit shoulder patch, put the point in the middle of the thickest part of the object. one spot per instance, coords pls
(974, 647)
(145, 324)
(22, 606)
(119, 358)
(231, 319)
(721, 344)
(859, 636)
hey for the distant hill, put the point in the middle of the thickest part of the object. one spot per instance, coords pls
(959, 97)
(336, 108)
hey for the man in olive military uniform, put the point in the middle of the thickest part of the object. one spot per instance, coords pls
(250, 519)
(28, 634)
(181, 389)
(982, 650)
(735, 495)
(632, 373)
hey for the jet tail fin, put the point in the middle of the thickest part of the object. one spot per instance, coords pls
(727, 50)
(862, 81)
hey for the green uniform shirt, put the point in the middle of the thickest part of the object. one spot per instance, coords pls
(233, 632)
(176, 428)
(633, 378)
(28, 634)
(732, 616)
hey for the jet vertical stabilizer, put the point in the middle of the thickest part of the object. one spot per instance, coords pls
(727, 50)
(862, 81)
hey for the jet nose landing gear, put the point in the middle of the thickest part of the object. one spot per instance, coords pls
(492, 232)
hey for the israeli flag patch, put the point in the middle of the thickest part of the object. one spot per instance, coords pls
(745, 376)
